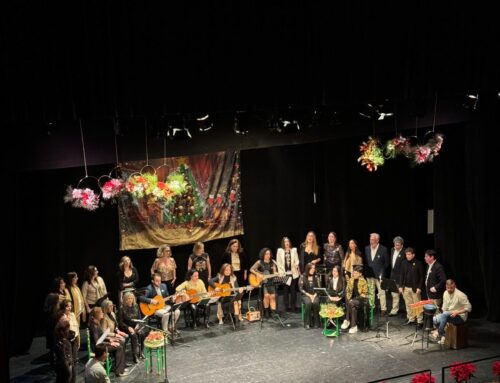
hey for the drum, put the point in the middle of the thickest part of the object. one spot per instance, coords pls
(429, 312)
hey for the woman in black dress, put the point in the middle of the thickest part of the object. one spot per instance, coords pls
(200, 261)
(265, 266)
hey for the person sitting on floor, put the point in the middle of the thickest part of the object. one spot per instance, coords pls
(456, 307)
(357, 291)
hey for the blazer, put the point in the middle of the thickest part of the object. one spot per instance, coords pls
(378, 267)
(436, 279)
(412, 275)
(280, 260)
(341, 287)
(396, 269)
(226, 258)
(151, 293)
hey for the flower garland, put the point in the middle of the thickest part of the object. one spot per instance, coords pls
(462, 372)
(372, 155)
(83, 198)
(423, 378)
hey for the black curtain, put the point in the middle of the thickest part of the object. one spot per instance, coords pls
(286, 190)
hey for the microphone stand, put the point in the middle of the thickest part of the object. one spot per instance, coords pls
(165, 335)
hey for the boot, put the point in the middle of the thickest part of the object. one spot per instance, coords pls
(274, 314)
(266, 313)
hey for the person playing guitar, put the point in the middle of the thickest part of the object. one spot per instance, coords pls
(225, 283)
(194, 290)
(266, 266)
(155, 299)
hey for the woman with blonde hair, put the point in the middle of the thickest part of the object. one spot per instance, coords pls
(128, 276)
(200, 261)
(165, 265)
(309, 251)
(128, 313)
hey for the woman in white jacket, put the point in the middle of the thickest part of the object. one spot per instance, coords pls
(287, 259)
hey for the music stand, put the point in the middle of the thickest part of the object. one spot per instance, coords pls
(173, 324)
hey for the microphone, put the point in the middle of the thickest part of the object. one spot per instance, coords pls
(138, 321)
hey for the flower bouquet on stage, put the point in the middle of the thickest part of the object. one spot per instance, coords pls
(154, 339)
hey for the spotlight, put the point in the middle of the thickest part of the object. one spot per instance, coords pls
(288, 123)
(178, 132)
(375, 112)
(238, 126)
(204, 123)
(471, 101)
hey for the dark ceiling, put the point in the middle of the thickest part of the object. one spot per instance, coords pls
(135, 60)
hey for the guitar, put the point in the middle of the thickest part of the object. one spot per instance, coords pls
(226, 289)
(193, 296)
(256, 279)
(149, 308)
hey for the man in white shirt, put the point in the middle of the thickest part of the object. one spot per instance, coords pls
(456, 307)
(94, 370)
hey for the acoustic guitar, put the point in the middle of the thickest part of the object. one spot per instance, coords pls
(256, 279)
(192, 296)
(149, 308)
(226, 289)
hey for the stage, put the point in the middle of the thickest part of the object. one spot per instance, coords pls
(285, 354)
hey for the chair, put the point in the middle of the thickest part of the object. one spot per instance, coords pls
(91, 354)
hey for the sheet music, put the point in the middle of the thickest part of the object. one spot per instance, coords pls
(103, 337)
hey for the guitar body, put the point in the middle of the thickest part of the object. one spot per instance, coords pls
(255, 279)
(149, 308)
(188, 295)
(225, 290)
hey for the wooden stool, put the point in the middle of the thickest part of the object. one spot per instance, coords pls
(456, 336)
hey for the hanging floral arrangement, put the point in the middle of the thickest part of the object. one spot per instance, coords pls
(372, 155)
(421, 154)
(82, 198)
(397, 146)
(112, 188)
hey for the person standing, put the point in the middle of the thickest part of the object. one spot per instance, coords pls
(377, 262)
(128, 277)
(166, 266)
(411, 281)
(397, 257)
(200, 261)
(309, 251)
(236, 257)
(352, 258)
(287, 260)
(435, 278)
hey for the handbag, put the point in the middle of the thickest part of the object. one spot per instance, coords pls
(252, 315)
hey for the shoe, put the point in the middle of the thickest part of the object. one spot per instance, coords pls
(207, 325)
(442, 340)
(353, 330)
(392, 314)
(128, 364)
(135, 359)
(307, 327)
(345, 324)
(383, 313)
(221, 321)
(142, 356)
(124, 373)
(434, 334)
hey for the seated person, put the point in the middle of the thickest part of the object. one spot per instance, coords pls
(95, 317)
(456, 306)
(336, 285)
(128, 313)
(356, 293)
(226, 276)
(194, 289)
(310, 298)
(157, 288)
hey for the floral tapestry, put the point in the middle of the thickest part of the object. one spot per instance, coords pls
(180, 200)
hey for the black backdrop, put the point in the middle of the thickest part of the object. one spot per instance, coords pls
(47, 238)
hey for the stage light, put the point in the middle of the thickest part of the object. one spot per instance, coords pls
(471, 101)
(204, 123)
(178, 131)
(287, 122)
(238, 126)
(375, 112)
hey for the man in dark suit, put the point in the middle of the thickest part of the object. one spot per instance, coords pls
(397, 256)
(156, 288)
(411, 282)
(435, 279)
(377, 261)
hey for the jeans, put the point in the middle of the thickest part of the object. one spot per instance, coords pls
(440, 321)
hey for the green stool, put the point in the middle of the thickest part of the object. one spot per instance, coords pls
(107, 365)
(330, 312)
(160, 360)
